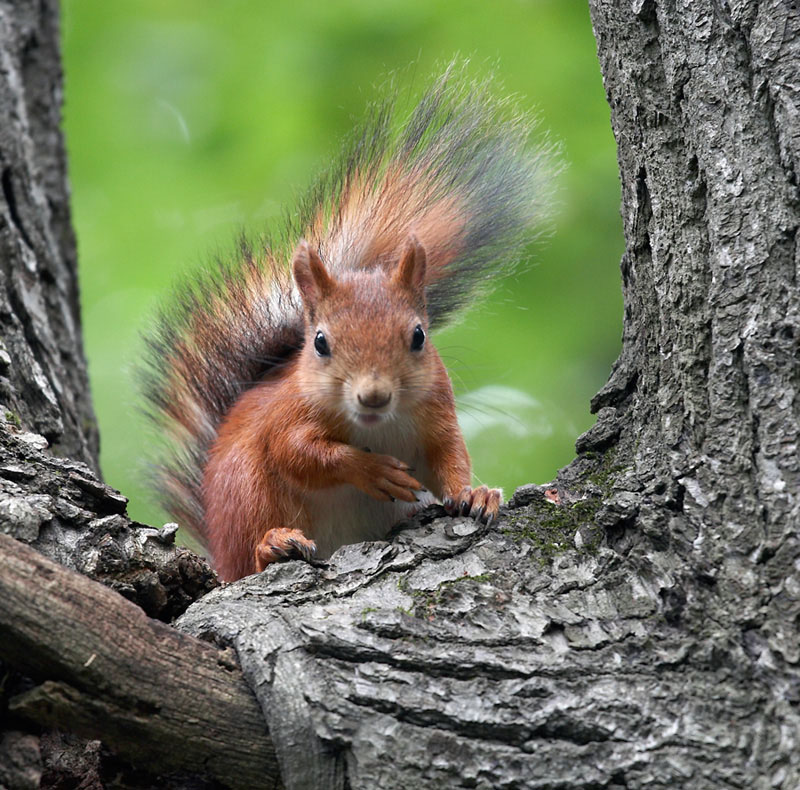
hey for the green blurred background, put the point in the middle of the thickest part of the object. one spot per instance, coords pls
(188, 121)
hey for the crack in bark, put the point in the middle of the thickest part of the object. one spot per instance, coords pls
(561, 728)
(462, 670)
(11, 202)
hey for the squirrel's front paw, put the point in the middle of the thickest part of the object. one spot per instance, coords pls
(482, 503)
(283, 544)
(384, 477)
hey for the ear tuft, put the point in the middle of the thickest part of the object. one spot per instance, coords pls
(310, 275)
(410, 271)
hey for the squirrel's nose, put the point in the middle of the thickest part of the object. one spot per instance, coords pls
(374, 399)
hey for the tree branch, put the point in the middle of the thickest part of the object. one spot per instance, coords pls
(152, 694)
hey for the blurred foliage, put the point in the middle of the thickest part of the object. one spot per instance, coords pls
(188, 121)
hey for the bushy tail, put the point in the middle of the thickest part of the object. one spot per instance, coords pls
(458, 174)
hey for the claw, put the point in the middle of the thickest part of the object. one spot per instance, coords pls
(306, 552)
(464, 507)
(279, 544)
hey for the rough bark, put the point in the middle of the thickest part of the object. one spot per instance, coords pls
(149, 692)
(635, 625)
(43, 380)
(60, 508)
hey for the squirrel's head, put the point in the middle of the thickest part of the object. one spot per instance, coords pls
(366, 355)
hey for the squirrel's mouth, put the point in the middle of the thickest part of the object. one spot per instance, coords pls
(369, 419)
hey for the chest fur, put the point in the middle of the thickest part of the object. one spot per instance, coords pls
(342, 514)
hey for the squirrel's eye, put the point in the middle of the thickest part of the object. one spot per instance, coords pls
(321, 345)
(418, 338)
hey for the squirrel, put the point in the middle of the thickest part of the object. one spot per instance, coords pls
(302, 400)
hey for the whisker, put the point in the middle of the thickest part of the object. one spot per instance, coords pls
(490, 410)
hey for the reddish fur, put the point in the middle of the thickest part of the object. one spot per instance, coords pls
(288, 435)
(376, 221)
(457, 178)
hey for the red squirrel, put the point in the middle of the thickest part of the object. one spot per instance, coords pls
(304, 402)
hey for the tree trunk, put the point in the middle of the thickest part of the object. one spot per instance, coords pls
(43, 380)
(636, 623)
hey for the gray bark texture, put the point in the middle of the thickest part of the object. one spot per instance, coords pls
(43, 380)
(636, 624)
(150, 693)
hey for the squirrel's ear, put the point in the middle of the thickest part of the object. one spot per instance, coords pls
(410, 272)
(310, 274)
